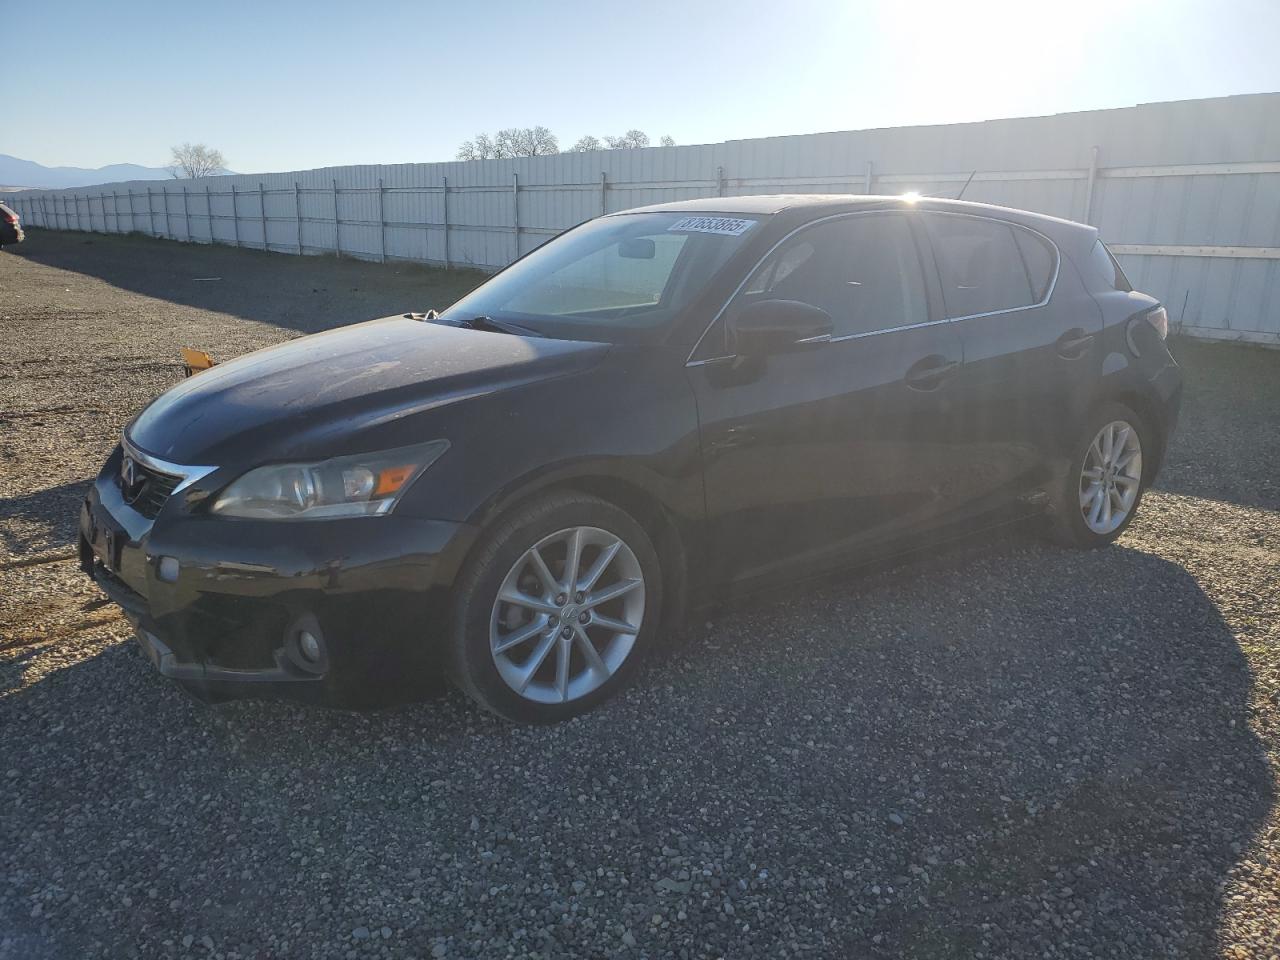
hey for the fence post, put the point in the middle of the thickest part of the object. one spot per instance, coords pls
(297, 213)
(719, 181)
(235, 214)
(445, 198)
(382, 226)
(133, 219)
(866, 183)
(168, 222)
(151, 213)
(262, 211)
(604, 190)
(102, 202)
(515, 213)
(1088, 190)
(208, 209)
(186, 213)
(337, 223)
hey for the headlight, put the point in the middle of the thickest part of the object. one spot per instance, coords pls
(367, 484)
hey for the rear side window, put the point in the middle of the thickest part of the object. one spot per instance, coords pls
(1104, 266)
(982, 265)
(864, 271)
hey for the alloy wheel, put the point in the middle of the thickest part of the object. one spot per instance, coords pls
(567, 615)
(1111, 477)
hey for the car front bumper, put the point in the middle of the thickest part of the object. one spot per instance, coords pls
(219, 604)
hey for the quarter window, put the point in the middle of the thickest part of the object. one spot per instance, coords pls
(1038, 258)
(1105, 266)
(983, 266)
(863, 270)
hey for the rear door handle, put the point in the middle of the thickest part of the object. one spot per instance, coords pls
(1074, 343)
(931, 372)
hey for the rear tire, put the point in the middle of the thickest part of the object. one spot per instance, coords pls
(1107, 472)
(539, 636)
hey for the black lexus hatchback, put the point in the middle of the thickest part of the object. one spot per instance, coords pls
(651, 410)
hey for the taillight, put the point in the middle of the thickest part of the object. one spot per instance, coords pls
(1159, 319)
(9, 217)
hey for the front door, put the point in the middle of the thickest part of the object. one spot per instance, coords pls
(837, 445)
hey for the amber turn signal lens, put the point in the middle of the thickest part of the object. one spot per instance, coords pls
(392, 479)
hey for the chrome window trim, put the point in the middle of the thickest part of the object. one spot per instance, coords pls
(188, 474)
(1053, 283)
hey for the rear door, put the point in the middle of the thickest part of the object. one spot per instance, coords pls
(837, 445)
(1030, 333)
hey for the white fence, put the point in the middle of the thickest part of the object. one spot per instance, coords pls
(1187, 193)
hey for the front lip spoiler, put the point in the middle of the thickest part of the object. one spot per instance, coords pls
(168, 665)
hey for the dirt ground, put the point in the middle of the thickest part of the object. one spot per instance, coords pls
(1005, 750)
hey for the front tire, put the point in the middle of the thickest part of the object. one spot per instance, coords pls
(555, 608)
(1106, 476)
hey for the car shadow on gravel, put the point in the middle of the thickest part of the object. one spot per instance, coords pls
(1008, 749)
(41, 520)
(306, 294)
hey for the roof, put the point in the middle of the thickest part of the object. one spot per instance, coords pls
(839, 202)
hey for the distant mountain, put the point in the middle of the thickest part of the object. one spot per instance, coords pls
(26, 173)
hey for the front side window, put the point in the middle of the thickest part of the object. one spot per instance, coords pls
(862, 270)
(983, 267)
(612, 276)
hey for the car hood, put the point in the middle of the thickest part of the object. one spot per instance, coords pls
(341, 381)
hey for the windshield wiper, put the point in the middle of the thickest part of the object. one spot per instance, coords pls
(483, 322)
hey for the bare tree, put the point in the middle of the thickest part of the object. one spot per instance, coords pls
(510, 142)
(586, 144)
(481, 148)
(630, 140)
(192, 160)
(667, 141)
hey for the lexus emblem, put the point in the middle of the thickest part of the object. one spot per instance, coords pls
(130, 480)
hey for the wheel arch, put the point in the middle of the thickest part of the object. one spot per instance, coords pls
(1151, 414)
(672, 539)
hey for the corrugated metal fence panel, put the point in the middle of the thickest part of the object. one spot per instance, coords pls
(1188, 191)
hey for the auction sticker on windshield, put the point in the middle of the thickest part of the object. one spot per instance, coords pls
(724, 226)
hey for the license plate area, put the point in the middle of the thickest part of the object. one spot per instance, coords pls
(106, 540)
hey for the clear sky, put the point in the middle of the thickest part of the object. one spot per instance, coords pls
(282, 85)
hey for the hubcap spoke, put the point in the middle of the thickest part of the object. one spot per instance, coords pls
(572, 558)
(588, 579)
(521, 599)
(619, 589)
(610, 623)
(521, 635)
(543, 572)
(563, 654)
(535, 661)
(590, 653)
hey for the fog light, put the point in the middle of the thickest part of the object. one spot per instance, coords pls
(167, 569)
(309, 646)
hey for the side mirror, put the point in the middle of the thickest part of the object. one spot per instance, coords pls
(772, 326)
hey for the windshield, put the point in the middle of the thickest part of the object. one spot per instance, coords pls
(610, 278)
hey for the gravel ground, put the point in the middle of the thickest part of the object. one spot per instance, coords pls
(1004, 750)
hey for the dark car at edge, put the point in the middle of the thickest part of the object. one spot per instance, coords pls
(654, 410)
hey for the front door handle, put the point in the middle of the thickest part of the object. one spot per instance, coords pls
(1075, 343)
(931, 372)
